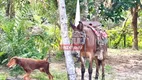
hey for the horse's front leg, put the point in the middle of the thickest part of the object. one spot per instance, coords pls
(82, 68)
(90, 70)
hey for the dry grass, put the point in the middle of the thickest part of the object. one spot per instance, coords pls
(124, 52)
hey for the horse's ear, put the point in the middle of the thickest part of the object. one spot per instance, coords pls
(72, 25)
(80, 26)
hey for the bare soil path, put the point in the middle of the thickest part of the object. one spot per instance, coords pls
(121, 64)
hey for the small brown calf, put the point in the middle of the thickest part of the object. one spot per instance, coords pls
(29, 65)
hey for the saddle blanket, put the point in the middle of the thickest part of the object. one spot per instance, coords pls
(97, 28)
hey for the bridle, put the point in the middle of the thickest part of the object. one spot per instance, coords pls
(82, 39)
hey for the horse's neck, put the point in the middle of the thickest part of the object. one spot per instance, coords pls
(92, 37)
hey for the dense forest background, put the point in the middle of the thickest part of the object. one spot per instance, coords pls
(31, 28)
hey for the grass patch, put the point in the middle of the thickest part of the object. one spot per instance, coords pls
(59, 75)
(39, 76)
(56, 75)
(3, 76)
(59, 56)
(16, 71)
(108, 69)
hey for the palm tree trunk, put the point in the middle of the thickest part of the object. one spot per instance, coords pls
(65, 40)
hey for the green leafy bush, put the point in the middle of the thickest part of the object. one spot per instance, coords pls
(119, 39)
(2, 77)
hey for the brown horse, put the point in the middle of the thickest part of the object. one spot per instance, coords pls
(85, 37)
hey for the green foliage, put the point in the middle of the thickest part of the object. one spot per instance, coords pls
(16, 71)
(108, 69)
(121, 37)
(114, 36)
(71, 8)
(19, 42)
(59, 55)
(3, 77)
(115, 14)
(17, 38)
(140, 38)
(115, 11)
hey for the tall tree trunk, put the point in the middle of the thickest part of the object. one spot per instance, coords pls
(10, 10)
(65, 40)
(134, 12)
(124, 40)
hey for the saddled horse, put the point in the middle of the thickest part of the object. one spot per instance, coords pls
(84, 36)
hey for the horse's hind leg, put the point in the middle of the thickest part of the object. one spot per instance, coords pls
(82, 68)
(103, 72)
(98, 63)
(90, 70)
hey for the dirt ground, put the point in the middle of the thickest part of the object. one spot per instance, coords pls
(126, 65)
(121, 64)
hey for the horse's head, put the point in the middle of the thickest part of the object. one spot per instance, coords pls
(78, 38)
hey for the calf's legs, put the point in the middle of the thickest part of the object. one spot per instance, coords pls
(27, 76)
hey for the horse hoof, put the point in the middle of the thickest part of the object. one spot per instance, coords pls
(96, 78)
(103, 78)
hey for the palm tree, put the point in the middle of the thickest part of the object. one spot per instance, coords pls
(65, 40)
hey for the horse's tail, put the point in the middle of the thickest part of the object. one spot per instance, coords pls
(99, 62)
(100, 55)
